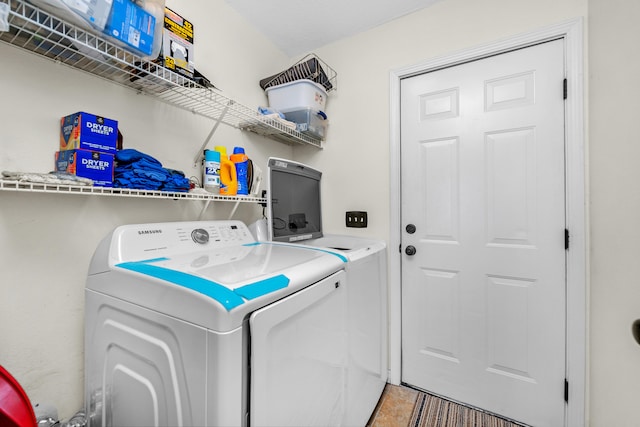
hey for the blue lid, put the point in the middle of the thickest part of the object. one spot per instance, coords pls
(238, 150)
(211, 156)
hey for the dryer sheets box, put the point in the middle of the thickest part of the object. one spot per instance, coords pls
(88, 132)
(94, 165)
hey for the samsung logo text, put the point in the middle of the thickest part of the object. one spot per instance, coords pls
(149, 231)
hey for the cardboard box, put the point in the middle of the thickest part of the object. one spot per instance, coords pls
(131, 25)
(87, 164)
(177, 44)
(88, 132)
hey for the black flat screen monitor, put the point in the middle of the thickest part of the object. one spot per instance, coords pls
(293, 201)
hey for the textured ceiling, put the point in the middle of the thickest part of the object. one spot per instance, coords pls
(300, 26)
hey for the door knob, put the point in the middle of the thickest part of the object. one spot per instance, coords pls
(410, 228)
(410, 250)
(635, 330)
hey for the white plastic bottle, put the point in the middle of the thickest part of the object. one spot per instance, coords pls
(211, 175)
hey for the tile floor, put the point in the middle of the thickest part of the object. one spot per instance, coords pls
(394, 408)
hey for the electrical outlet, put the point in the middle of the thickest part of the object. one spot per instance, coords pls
(357, 219)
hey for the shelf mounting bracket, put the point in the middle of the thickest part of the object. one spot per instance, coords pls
(233, 211)
(200, 154)
(204, 209)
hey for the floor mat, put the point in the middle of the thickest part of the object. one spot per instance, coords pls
(432, 411)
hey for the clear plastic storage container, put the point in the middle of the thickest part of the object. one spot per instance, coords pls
(297, 95)
(309, 121)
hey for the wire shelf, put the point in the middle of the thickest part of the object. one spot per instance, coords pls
(10, 185)
(37, 31)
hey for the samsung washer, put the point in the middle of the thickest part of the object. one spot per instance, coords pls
(196, 323)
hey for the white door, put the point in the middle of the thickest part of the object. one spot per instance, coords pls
(483, 297)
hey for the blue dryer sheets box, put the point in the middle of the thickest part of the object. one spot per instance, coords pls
(94, 165)
(132, 25)
(88, 132)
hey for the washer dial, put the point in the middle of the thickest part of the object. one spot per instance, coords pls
(200, 236)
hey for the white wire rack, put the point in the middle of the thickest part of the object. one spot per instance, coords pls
(39, 32)
(311, 67)
(9, 185)
(22, 186)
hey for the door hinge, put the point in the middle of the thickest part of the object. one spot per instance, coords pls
(566, 239)
(566, 390)
(565, 89)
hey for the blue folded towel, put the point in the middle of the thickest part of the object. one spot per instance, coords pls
(176, 182)
(141, 171)
(129, 155)
(135, 182)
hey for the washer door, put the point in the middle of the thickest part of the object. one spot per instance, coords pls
(299, 356)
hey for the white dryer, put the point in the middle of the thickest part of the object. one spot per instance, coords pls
(367, 327)
(295, 216)
(196, 323)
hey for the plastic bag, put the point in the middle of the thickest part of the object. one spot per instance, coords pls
(133, 25)
(4, 17)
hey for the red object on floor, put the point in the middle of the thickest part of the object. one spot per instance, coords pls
(15, 406)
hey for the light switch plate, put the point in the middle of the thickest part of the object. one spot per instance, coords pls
(357, 219)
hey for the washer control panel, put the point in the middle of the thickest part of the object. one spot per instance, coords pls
(146, 241)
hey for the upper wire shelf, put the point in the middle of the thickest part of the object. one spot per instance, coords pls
(39, 32)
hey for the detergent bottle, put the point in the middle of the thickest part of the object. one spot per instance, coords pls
(211, 178)
(241, 162)
(228, 177)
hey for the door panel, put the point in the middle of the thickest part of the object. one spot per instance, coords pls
(483, 298)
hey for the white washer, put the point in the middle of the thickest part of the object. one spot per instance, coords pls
(196, 323)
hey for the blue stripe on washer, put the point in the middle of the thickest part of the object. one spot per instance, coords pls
(263, 287)
(223, 295)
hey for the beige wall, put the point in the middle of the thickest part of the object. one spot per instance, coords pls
(360, 134)
(357, 150)
(47, 240)
(614, 101)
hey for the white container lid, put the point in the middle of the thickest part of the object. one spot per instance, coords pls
(298, 94)
(297, 83)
